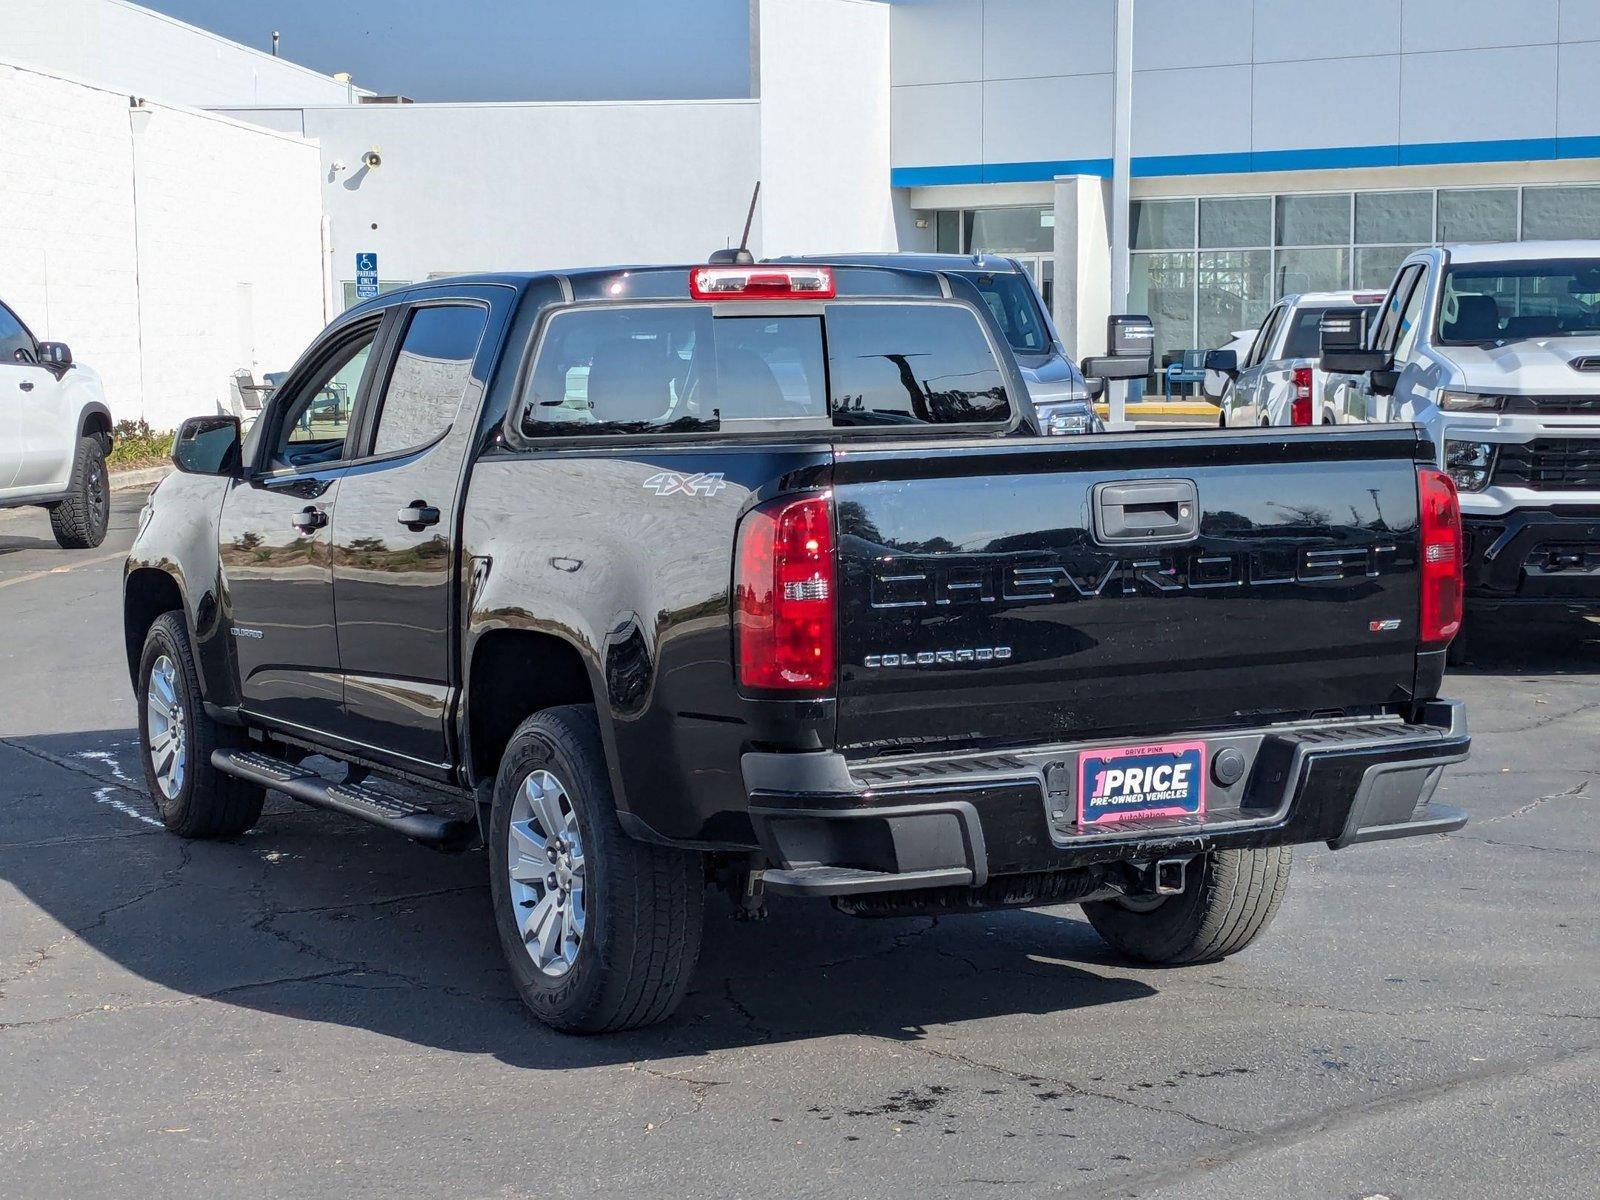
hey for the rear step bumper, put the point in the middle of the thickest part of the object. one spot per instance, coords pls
(443, 830)
(830, 827)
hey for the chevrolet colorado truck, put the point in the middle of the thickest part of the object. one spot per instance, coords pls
(55, 433)
(1494, 351)
(653, 579)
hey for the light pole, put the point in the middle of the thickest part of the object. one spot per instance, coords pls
(1121, 154)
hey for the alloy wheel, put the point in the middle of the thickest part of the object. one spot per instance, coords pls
(166, 728)
(546, 873)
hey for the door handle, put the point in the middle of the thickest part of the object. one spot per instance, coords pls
(309, 518)
(26, 385)
(1148, 511)
(418, 516)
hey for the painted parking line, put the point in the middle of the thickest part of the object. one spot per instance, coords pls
(63, 569)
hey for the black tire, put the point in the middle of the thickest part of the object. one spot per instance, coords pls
(643, 905)
(79, 522)
(1230, 899)
(207, 803)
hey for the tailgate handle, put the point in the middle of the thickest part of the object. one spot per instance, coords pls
(1146, 510)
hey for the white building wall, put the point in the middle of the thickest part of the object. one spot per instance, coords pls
(147, 53)
(1005, 90)
(489, 187)
(824, 83)
(167, 247)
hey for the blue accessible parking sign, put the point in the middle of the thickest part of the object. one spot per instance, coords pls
(366, 275)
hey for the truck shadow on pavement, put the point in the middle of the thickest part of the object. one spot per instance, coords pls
(1513, 644)
(315, 917)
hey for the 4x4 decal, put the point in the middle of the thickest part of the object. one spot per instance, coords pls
(673, 483)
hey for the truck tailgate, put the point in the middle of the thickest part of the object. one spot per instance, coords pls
(981, 602)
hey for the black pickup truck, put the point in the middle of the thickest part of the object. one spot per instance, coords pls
(652, 579)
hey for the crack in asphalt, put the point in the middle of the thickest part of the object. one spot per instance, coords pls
(1280, 1000)
(1303, 1129)
(168, 880)
(1579, 790)
(1070, 1085)
(66, 764)
(1467, 837)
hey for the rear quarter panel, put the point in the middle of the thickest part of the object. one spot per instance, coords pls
(626, 554)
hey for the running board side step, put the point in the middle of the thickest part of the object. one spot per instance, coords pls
(440, 830)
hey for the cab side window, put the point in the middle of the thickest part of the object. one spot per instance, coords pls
(1269, 331)
(16, 346)
(429, 376)
(1411, 318)
(1394, 309)
(311, 423)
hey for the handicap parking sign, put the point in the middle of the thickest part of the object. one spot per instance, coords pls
(366, 275)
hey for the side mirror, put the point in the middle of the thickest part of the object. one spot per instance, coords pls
(55, 355)
(1226, 361)
(1384, 380)
(1130, 349)
(208, 446)
(1342, 333)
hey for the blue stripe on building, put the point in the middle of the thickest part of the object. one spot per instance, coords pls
(1243, 162)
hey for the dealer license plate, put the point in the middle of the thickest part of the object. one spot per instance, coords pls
(1134, 783)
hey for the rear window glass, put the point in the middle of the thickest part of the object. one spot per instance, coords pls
(676, 368)
(1010, 299)
(912, 364)
(1305, 334)
(626, 370)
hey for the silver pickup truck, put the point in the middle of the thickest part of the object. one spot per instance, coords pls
(1494, 350)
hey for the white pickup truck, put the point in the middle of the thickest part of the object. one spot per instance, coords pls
(55, 433)
(1495, 351)
(1278, 382)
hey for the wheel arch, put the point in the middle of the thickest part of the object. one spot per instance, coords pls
(95, 422)
(147, 593)
(512, 674)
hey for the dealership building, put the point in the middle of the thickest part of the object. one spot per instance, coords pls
(1277, 145)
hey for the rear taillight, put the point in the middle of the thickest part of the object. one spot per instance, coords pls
(785, 592)
(1441, 557)
(1300, 410)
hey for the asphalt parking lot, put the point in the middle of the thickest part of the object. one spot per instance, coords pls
(318, 1008)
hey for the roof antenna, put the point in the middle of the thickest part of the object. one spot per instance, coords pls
(742, 254)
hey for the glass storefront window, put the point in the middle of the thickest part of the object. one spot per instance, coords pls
(1228, 221)
(1162, 225)
(1314, 220)
(1162, 285)
(1478, 215)
(1394, 217)
(1560, 212)
(1376, 265)
(947, 232)
(1011, 231)
(1318, 270)
(1235, 291)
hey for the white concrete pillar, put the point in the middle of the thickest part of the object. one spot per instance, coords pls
(1083, 263)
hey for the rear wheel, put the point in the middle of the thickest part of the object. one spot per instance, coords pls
(1229, 899)
(79, 522)
(601, 932)
(195, 799)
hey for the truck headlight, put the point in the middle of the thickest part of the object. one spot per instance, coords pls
(1058, 420)
(1470, 402)
(1469, 464)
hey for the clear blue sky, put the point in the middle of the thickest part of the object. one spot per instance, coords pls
(500, 49)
